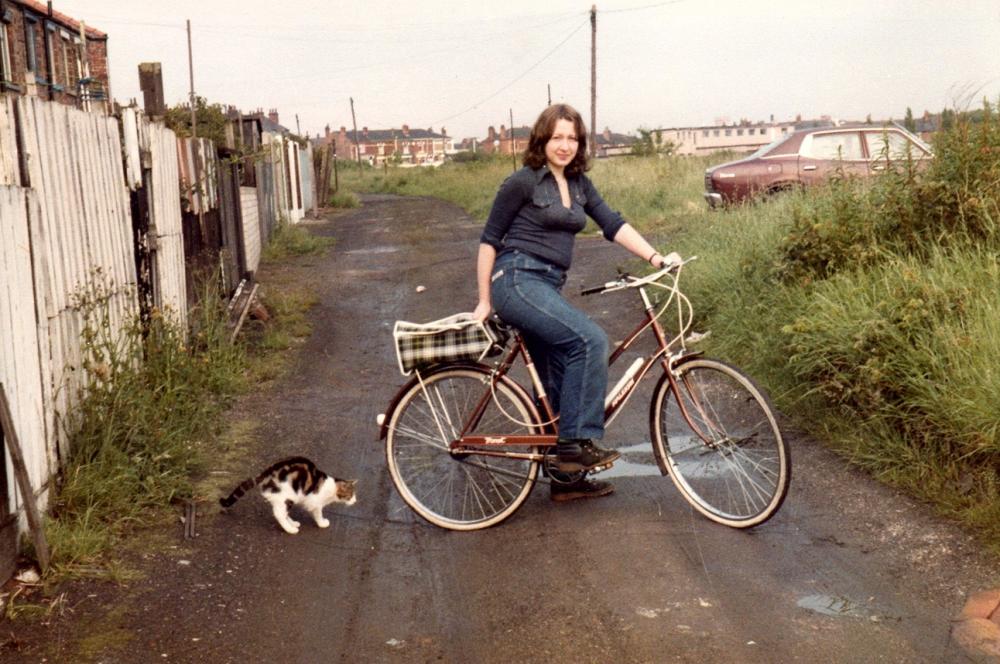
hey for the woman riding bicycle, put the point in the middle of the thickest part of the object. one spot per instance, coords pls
(524, 253)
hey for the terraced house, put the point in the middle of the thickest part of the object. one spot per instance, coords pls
(405, 146)
(48, 54)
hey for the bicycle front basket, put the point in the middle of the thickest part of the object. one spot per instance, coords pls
(452, 339)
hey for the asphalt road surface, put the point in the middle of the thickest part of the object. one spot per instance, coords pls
(848, 571)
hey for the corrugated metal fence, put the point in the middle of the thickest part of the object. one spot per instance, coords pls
(90, 202)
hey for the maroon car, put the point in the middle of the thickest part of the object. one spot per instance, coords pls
(809, 157)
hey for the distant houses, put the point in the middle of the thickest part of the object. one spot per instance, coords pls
(403, 146)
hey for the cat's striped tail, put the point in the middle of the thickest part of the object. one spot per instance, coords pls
(239, 491)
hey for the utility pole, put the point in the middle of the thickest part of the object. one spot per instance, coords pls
(357, 146)
(550, 93)
(194, 140)
(298, 129)
(513, 156)
(593, 80)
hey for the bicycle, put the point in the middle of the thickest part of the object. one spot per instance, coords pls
(464, 441)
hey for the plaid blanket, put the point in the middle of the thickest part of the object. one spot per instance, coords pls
(451, 339)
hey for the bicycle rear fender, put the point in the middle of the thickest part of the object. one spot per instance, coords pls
(386, 417)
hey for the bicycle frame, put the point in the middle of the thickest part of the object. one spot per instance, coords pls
(487, 445)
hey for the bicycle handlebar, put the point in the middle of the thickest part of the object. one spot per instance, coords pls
(628, 281)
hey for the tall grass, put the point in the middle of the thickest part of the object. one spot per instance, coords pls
(652, 193)
(138, 434)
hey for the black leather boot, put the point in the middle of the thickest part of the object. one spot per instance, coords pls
(575, 455)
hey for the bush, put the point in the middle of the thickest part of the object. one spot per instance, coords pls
(955, 203)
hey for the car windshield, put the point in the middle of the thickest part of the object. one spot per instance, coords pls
(767, 148)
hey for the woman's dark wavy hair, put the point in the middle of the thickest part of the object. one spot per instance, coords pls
(534, 156)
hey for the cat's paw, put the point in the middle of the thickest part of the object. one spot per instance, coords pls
(323, 523)
(292, 527)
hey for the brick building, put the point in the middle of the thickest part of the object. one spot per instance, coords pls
(46, 53)
(405, 146)
(506, 141)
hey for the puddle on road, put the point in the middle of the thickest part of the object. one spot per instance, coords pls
(625, 468)
(374, 250)
(842, 607)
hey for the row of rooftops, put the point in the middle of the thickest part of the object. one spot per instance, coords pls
(45, 9)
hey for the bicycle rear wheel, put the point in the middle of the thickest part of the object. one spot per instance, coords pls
(730, 460)
(458, 492)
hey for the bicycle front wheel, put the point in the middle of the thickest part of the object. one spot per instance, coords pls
(721, 443)
(458, 492)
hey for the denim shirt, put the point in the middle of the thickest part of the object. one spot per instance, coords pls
(528, 214)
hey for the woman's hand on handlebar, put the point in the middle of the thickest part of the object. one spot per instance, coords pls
(482, 311)
(673, 258)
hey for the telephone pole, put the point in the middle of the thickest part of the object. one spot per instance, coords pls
(194, 141)
(593, 80)
(513, 143)
(357, 146)
(549, 86)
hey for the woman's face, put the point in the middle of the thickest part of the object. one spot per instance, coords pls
(561, 147)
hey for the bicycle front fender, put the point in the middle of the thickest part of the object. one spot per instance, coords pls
(385, 417)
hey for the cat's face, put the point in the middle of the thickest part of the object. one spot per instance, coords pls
(345, 491)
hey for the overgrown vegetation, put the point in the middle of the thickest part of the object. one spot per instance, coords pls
(868, 309)
(138, 433)
(294, 240)
(148, 415)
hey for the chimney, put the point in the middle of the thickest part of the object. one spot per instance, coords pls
(607, 134)
(503, 132)
(327, 131)
(444, 132)
(272, 115)
(491, 134)
(364, 132)
(406, 130)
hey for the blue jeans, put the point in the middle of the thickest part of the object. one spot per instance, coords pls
(570, 350)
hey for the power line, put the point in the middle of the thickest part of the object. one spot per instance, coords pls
(638, 9)
(522, 75)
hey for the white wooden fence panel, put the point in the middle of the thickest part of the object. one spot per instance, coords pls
(170, 281)
(292, 162)
(20, 362)
(251, 227)
(9, 173)
(306, 174)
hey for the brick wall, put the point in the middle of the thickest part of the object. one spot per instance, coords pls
(64, 68)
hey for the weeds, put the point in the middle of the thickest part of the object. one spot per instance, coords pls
(136, 437)
(290, 240)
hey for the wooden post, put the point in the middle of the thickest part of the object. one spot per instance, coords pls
(357, 146)
(151, 83)
(195, 151)
(513, 143)
(23, 481)
(593, 80)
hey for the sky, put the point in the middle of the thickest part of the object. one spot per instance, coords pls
(467, 65)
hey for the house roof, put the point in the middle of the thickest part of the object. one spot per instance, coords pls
(376, 135)
(59, 17)
(615, 139)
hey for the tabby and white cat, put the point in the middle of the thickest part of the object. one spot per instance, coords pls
(296, 481)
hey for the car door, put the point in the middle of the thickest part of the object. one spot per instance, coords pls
(830, 154)
(891, 147)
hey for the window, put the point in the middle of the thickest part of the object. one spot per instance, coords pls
(30, 28)
(715, 132)
(5, 73)
(739, 132)
(729, 132)
(846, 145)
(704, 132)
(66, 43)
(50, 52)
(891, 144)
